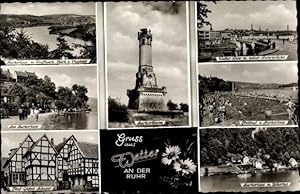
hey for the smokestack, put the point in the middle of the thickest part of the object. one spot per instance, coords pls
(145, 47)
(64, 139)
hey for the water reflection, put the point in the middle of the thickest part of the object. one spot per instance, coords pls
(72, 121)
(232, 183)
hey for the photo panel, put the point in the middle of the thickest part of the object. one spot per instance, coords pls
(58, 33)
(247, 31)
(50, 162)
(257, 159)
(149, 160)
(49, 98)
(248, 94)
(147, 64)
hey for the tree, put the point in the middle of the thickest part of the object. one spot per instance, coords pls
(19, 45)
(63, 48)
(23, 45)
(171, 105)
(17, 90)
(202, 12)
(89, 50)
(81, 97)
(49, 87)
(65, 98)
(184, 107)
(117, 112)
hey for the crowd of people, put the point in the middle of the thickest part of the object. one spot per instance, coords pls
(220, 106)
(25, 111)
(214, 105)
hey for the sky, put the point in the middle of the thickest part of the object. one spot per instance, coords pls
(169, 46)
(66, 75)
(40, 9)
(12, 140)
(272, 15)
(281, 73)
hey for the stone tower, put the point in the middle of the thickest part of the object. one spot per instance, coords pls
(146, 96)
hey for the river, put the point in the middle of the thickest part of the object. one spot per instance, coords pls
(231, 183)
(72, 121)
(41, 35)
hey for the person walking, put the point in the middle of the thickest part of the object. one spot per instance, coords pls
(291, 109)
(20, 112)
(37, 112)
(211, 114)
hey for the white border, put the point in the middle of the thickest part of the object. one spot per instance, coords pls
(242, 126)
(188, 78)
(5, 129)
(258, 61)
(62, 65)
(69, 66)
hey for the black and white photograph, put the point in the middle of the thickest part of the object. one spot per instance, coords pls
(53, 162)
(247, 31)
(249, 159)
(36, 33)
(49, 98)
(147, 68)
(264, 94)
(149, 160)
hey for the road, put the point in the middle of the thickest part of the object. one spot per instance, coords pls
(288, 48)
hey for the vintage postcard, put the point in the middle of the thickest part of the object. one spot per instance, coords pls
(49, 98)
(249, 159)
(52, 162)
(149, 160)
(262, 94)
(247, 31)
(37, 33)
(147, 68)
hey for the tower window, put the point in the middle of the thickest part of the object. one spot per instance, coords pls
(143, 41)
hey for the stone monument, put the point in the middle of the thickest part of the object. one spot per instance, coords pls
(146, 96)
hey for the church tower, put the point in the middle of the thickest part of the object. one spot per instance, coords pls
(146, 96)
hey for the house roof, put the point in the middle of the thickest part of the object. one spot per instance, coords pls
(29, 150)
(88, 149)
(21, 73)
(30, 74)
(62, 144)
(16, 149)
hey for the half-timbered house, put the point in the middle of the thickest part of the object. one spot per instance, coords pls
(82, 161)
(40, 163)
(14, 167)
(69, 165)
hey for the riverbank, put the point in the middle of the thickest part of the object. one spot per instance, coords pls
(78, 32)
(284, 181)
(31, 120)
(233, 169)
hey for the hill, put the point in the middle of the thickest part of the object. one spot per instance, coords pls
(16, 21)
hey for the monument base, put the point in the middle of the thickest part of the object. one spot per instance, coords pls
(147, 99)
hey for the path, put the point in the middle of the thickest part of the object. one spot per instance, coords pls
(14, 120)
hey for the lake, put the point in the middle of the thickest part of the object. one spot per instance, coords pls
(41, 35)
(72, 121)
(231, 183)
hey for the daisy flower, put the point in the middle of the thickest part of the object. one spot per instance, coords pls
(170, 155)
(185, 166)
